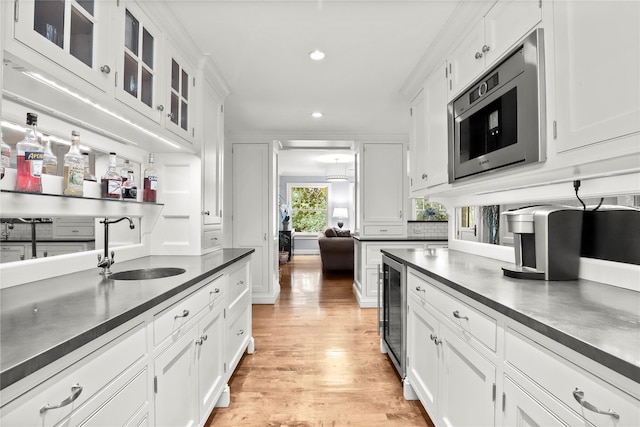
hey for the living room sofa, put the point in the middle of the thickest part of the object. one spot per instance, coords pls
(336, 250)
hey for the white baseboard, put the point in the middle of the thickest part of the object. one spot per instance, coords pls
(306, 252)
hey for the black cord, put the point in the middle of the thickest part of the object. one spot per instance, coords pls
(599, 204)
(576, 186)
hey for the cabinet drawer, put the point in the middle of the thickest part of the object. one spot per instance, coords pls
(237, 283)
(383, 230)
(211, 239)
(564, 380)
(119, 408)
(93, 374)
(465, 318)
(176, 318)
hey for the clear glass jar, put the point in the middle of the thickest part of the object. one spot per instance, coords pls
(50, 160)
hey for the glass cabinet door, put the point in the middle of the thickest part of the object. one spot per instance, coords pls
(137, 76)
(68, 32)
(181, 92)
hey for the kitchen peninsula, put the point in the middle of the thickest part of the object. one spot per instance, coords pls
(565, 342)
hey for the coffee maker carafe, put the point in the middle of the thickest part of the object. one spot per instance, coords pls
(547, 242)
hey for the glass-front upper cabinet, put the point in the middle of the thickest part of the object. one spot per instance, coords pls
(137, 74)
(71, 33)
(180, 97)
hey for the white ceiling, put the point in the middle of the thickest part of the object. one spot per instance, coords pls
(261, 49)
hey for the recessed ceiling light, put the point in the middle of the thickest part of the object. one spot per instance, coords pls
(316, 114)
(316, 55)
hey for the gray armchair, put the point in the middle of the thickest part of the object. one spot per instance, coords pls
(336, 250)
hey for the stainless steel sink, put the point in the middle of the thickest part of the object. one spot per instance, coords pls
(147, 273)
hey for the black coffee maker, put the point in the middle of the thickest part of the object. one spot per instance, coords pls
(547, 242)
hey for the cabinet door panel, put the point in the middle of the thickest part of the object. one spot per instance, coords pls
(383, 175)
(463, 64)
(521, 410)
(423, 354)
(418, 144)
(466, 390)
(507, 22)
(436, 128)
(175, 402)
(597, 71)
(210, 357)
(211, 158)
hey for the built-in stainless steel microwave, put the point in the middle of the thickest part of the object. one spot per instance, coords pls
(500, 121)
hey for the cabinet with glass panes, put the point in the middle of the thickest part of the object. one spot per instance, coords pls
(71, 33)
(180, 95)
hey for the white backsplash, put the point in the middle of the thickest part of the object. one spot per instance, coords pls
(428, 229)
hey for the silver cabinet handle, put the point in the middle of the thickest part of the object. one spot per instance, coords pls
(241, 332)
(76, 389)
(579, 396)
(241, 282)
(171, 115)
(456, 314)
(215, 291)
(478, 55)
(185, 313)
(485, 48)
(435, 339)
(160, 108)
(418, 288)
(206, 213)
(424, 176)
(105, 69)
(201, 340)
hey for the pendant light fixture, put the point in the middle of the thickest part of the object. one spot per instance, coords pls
(336, 172)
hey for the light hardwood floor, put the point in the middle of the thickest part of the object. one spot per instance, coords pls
(317, 361)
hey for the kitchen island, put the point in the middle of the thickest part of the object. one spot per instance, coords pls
(563, 346)
(59, 326)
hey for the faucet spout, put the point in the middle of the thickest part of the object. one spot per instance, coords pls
(105, 262)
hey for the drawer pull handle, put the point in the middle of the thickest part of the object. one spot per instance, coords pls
(435, 339)
(215, 291)
(185, 313)
(201, 340)
(456, 314)
(579, 396)
(241, 282)
(75, 392)
(383, 230)
(418, 289)
(241, 332)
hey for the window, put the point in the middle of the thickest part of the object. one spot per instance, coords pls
(308, 207)
(426, 210)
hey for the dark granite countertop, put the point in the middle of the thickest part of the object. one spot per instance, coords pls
(398, 239)
(51, 240)
(599, 321)
(45, 320)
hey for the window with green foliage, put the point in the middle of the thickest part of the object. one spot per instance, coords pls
(426, 210)
(308, 207)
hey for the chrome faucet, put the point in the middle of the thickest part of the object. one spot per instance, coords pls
(105, 262)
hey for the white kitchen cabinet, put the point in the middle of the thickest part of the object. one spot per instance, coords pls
(596, 95)
(114, 375)
(139, 53)
(558, 382)
(73, 227)
(503, 25)
(212, 150)
(418, 146)
(180, 95)
(12, 252)
(367, 262)
(436, 137)
(73, 34)
(175, 383)
(210, 360)
(381, 189)
(454, 382)
(254, 209)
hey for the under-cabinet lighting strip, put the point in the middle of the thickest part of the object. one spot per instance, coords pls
(87, 101)
(8, 125)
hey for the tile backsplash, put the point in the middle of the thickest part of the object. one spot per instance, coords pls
(428, 229)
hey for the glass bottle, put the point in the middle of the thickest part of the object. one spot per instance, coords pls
(6, 156)
(29, 157)
(74, 167)
(50, 160)
(129, 187)
(150, 182)
(111, 184)
(88, 176)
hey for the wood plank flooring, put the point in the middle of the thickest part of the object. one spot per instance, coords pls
(317, 361)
